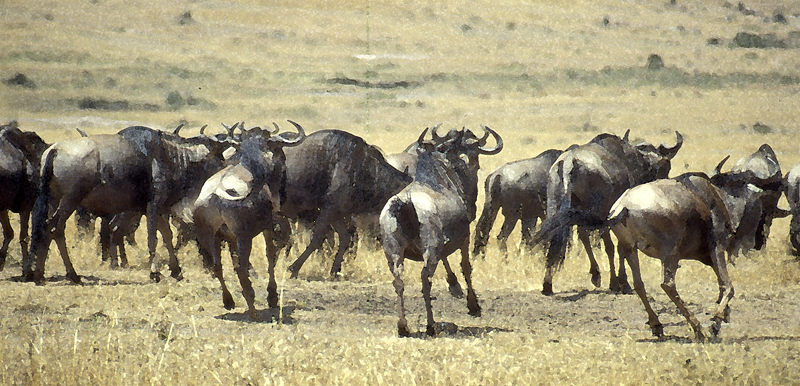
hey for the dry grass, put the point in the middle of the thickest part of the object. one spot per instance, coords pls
(542, 73)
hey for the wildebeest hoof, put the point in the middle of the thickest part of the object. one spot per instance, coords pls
(715, 329)
(475, 313)
(402, 330)
(254, 316)
(547, 289)
(446, 327)
(626, 289)
(657, 330)
(228, 303)
(74, 278)
(431, 330)
(155, 277)
(456, 291)
(595, 279)
(293, 272)
(177, 275)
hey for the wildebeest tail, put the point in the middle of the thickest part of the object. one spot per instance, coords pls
(555, 232)
(406, 216)
(491, 206)
(40, 207)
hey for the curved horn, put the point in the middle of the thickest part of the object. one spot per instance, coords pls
(203, 129)
(277, 129)
(422, 136)
(178, 129)
(301, 136)
(497, 138)
(625, 137)
(81, 132)
(436, 137)
(718, 169)
(670, 152)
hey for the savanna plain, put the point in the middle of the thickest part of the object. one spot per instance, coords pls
(543, 74)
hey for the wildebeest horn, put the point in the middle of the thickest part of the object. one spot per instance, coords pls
(277, 129)
(301, 136)
(670, 152)
(718, 169)
(625, 137)
(203, 129)
(436, 137)
(178, 129)
(422, 136)
(482, 141)
(81, 132)
(497, 138)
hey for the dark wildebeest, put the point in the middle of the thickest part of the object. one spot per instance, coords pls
(429, 219)
(791, 185)
(691, 217)
(519, 188)
(764, 165)
(591, 177)
(331, 177)
(237, 203)
(19, 176)
(138, 170)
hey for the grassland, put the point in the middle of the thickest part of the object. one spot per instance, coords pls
(544, 74)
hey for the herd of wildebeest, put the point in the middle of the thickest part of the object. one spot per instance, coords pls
(419, 203)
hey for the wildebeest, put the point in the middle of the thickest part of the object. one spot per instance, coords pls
(591, 177)
(519, 188)
(237, 204)
(331, 177)
(791, 185)
(690, 216)
(138, 170)
(406, 160)
(19, 176)
(429, 219)
(764, 165)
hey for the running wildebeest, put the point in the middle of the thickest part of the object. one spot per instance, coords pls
(429, 219)
(19, 176)
(237, 203)
(519, 188)
(764, 164)
(331, 177)
(138, 170)
(692, 217)
(591, 177)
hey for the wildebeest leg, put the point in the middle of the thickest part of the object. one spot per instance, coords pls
(8, 235)
(547, 283)
(466, 268)
(317, 238)
(394, 256)
(510, 221)
(342, 228)
(527, 230)
(670, 267)
(24, 219)
(242, 265)
(484, 225)
(212, 243)
(594, 269)
(452, 280)
(622, 278)
(430, 257)
(166, 236)
(632, 257)
(106, 242)
(58, 235)
(152, 241)
(272, 253)
(722, 314)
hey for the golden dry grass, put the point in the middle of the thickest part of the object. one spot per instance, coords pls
(544, 74)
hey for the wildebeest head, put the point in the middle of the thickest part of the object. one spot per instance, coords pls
(657, 160)
(746, 198)
(462, 148)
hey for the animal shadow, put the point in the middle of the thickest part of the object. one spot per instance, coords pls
(269, 315)
(451, 330)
